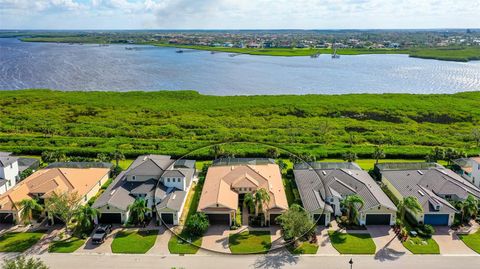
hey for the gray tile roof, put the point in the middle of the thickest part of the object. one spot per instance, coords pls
(7, 160)
(315, 185)
(172, 200)
(121, 193)
(432, 183)
(173, 173)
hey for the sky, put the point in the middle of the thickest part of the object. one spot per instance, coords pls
(239, 14)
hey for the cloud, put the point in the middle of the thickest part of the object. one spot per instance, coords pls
(242, 13)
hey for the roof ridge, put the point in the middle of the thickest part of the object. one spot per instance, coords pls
(66, 178)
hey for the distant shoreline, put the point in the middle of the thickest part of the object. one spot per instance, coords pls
(443, 54)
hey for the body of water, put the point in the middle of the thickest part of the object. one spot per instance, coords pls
(114, 68)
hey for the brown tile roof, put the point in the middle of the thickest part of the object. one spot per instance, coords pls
(219, 181)
(47, 181)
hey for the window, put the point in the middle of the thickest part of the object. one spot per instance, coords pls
(134, 177)
(168, 179)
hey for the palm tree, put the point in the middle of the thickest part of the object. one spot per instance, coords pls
(378, 153)
(27, 207)
(353, 203)
(117, 156)
(138, 210)
(85, 216)
(408, 203)
(249, 201)
(262, 197)
(469, 207)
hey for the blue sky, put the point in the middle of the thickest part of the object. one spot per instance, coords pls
(238, 14)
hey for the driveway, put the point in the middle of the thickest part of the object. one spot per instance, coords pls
(105, 247)
(161, 243)
(325, 247)
(449, 242)
(216, 239)
(389, 248)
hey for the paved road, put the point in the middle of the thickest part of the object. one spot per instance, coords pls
(277, 260)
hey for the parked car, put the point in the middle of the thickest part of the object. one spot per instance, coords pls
(101, 233)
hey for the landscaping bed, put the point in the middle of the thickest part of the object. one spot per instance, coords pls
(250, 242)
(135, 242)
(346, 243)
(19, 241)
(419, 245)
(66, 246)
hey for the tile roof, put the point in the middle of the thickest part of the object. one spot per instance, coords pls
(315, 185)
(7, 160)
(217, 188)
(51, 180)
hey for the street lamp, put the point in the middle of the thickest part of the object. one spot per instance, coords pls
(351, 263)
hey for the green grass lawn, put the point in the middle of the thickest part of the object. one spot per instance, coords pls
(303, 248)
(19, 242)
(177, 246)
(346, 243)
(419, 245)
(472, 240)
(66, 246)
(137, 242)
(250, 242)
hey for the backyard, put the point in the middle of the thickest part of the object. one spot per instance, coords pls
(349, 243)
(134, 242)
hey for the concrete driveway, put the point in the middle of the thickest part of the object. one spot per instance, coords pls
(449, 242)
(389, 248)
(216, 239)
(325, 247)
(105, 247)
(161, 243)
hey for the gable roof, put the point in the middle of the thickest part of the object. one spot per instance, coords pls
(149, 165)
(47, 181)
(217, 189)
(315, 185)
(7, 160)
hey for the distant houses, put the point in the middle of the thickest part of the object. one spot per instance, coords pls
(323, 186)
(9, 173)
(432, 184)
(159, 180)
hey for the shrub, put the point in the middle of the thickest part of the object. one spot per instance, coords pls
(197, 224)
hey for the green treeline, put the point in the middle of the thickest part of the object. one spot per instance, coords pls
(176, 122)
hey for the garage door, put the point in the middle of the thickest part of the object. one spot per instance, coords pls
(273, 217)
(319, 219)
(223, 219)
(167, 218)
(378, 219)
(436, 219)
(110, 218)
(6, 218)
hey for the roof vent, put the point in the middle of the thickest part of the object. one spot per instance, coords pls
(324, 173)
(421, 193)
(420, 172)
(173, 196)
(112, 192)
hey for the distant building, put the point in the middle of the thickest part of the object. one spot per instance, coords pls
(469, 168)
(9, 173)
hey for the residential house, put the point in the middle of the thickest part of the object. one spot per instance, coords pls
(228, 180)
(161, 181)
(86, 182)
(432, 184)
(9, 173)
(323, 187)
(469, 168)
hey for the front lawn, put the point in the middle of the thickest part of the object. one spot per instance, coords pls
(419, 245)
(178, 246)
(250, 242)
(137, 242)
(346, 243)
(472, 240)
(19, 242)
(66, 246)
(303, 248)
